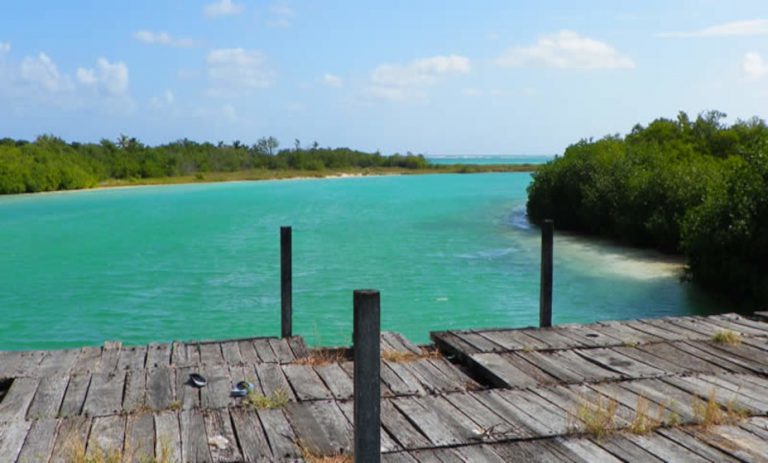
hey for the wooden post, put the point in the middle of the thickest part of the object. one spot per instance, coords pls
(367, 405)
(545, 296)
(286, 283)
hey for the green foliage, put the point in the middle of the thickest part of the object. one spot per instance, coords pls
(700, 188)
(50, 164)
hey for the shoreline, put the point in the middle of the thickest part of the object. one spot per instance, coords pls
(282, 175)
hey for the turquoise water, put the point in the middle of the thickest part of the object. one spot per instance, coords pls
(491, 159)
(201, 262)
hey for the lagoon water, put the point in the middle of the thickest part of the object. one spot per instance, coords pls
(202, 262)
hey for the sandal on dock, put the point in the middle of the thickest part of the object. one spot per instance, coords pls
(197, 380)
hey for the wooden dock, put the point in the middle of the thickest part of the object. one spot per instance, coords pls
(482, 395)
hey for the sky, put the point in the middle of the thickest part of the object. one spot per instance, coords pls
(427, 76)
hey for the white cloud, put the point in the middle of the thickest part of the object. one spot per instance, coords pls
(281, 15)
(754, 66)
(235, 70)
(42, 71)
(566, 50)
(333, 81)
(749, 28)
(397, 82)
(5, 47)
(223, 8)
(110, 77)
(165, 100)
(162, 38)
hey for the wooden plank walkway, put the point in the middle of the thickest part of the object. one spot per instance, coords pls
(487, 395)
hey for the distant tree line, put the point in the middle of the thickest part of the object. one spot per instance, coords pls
(49, 163)
(698, 187)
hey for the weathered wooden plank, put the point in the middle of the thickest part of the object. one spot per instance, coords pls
(530, 369)
(72, 434)
(432, 425)
(187, 395)
(167, 437)
(499, 371)
(674, 399)
(306, 383)
(134, 397)
(640, 325)
(737, 385)
(132, 358)
(58, 362)
(106, 437)
(28, 365)
(321, 427)
(479, 453)
(627, 334)
(553, 338)
(18, 399)
(682, 359)
(400, 380)
(398, 457)
(400, 428)
(179, 354)
(191, 354)
(751, 355)
(553, 420)
(250, 435)
(221, 437)
(12, 436)
(681, 333)
(298, 347)
(194, 441)
(723, 396)
(273, 380)
(231, 352)
(519, 421)
(462, 424)
(479, 342)
(336, 379)
(48, 397)
(39, 442)
(74, 397)
(625, 449)
(431, 378)
(109, 357)
(739, 325)
(282, 350)
(589, 335)
(553, 365)
(9, 362)
(725, 357)
(665, 449)
(388, 444)
(158, 355)
(613, 360)
(460, 381)
(159, 388)
(580, 365)
(105, 395)
(266, 354)
(587, 451)
(694, 445)
(691, 349)
(281, 437)
(437, 456)
(140, 437)
(491, 427)
(216, 393)
(247, 352)
(210, 353)
(451, 344)
(539, 451)
(734, 441)
(87, 361)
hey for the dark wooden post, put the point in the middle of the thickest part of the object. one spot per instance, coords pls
(365, 343)
(286, 283)
(545, 296)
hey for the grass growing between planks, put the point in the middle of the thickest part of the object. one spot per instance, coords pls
(597, 417)
(322, 356)
(710, 413)
(311, 456)
(644, 423)
(77, 453)
(260, 402)
(398, 356)
(727, 337)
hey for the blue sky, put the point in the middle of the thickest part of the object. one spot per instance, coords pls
(436, 77)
